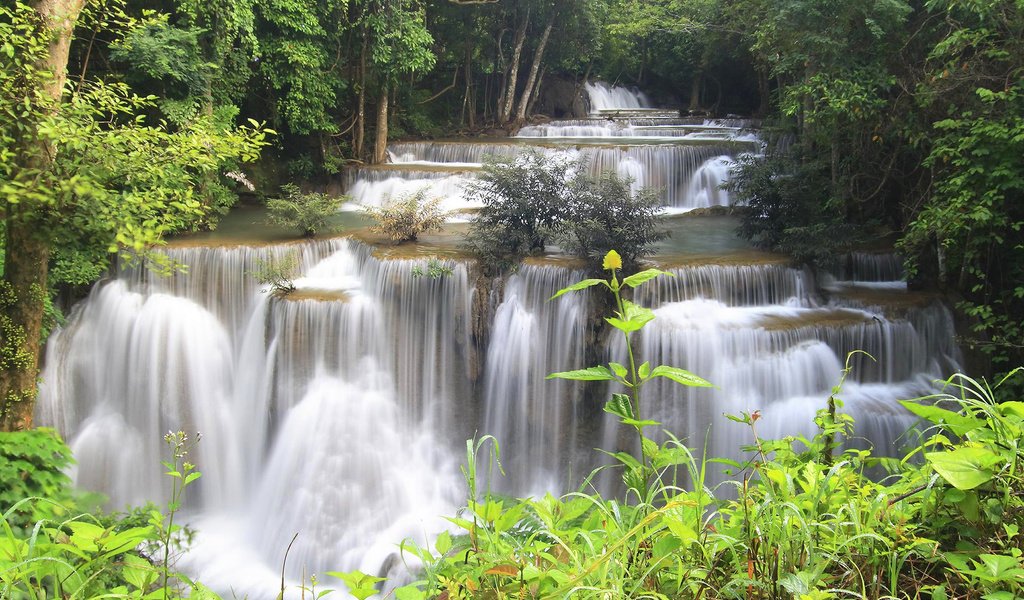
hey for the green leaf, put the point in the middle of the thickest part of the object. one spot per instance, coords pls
(620, 406)
(443, 543)
(644, 371)
(643, 276)
(582, 285)
(138, 572)
(591, 374)
(964, 468)
(410, 592)
(618, 369)
(626, 326)
(681, 376)
(359, 584)
(958, 423)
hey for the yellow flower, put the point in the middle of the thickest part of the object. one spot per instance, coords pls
(612, 261)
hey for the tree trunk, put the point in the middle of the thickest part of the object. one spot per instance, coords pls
(510, 86)
(380, 149)
(23, 289)
(695, 90)
(360, 125)
(534, 69)
(468, 106)
(22, 295)
(536, 90)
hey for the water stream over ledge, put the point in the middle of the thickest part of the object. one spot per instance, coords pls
(340, 412)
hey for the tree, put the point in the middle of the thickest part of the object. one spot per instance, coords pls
(525, 199)
(81, 168)
(534, 199)
(610, 215)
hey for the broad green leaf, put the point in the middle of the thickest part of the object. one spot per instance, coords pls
(644, 371)
(620, 406)
(958, 423)
(643, 276)
(591, 374)
(636, 313)
(138, 571)
(626, 326)
(964, 468)
(680, 376)
(443, 543)
(359, 584)
(618, 369)
(582, 285)
(410, 592)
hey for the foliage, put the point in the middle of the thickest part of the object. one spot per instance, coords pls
(786, 209)
(525, 199)
(67, 555)
(277, 272)
(534, 199)
(610, 214)
(435, 269)
(307, 212)
(402, 219)
(32, 465)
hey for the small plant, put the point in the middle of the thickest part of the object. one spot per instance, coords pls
(435, 270)
(277, 272)
(404, 218)
(307, 212)
(629, 318)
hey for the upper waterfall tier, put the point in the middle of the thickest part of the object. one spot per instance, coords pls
(608, 97)
(687, 161)
(686, 176)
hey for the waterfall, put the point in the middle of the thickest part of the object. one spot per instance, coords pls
(607, 97)
(305, 403)
(340, 411)
(533, 418)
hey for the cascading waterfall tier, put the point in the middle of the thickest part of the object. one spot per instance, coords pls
(338, 410)
(332, 413)
(685, 160)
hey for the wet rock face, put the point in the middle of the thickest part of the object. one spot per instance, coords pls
(562, 99)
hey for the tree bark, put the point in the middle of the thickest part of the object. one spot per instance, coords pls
(380, 149)
(22, 295)
(360, 125)
(524, 100)
(695, 90)
(510, 86)
(23, 289)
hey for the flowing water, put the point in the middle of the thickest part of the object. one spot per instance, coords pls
(340, 412)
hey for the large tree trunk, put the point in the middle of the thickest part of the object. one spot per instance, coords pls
(22, 295)
(23, 289)
(524, 100)
(510, 86)
(380, 148)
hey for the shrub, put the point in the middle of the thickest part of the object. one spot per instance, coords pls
(525, 200)
(789, 211)
(609, 214)
(402, 219)
(533, 199)
(277, 272)
(306, 212)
